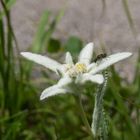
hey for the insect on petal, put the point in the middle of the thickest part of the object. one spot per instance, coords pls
(110, 60)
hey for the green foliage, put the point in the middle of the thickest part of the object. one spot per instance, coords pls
(129, 16)
(45, 31)
(53, 46)
(23, 116)
(8, 5)
(73, 45)
(98, 126)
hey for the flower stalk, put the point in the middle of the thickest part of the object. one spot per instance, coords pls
(83, 115)
(97, 113)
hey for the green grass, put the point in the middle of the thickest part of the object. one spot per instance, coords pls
(23, 116)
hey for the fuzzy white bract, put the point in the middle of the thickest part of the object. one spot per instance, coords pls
(78, 73)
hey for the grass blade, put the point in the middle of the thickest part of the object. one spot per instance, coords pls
(129, 16)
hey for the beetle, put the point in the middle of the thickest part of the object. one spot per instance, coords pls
(100, 57)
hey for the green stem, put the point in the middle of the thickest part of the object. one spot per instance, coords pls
(83, 115)
(97, 113)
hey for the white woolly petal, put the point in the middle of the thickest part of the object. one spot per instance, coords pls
(91, 66)
(98, 78)
(86, 54)
(42, 60)
(52, 91)
(110, 60)
(59, 88)
(64, 81)
(68, 58)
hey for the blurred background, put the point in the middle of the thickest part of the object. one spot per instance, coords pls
(106, 22)
(52, 28)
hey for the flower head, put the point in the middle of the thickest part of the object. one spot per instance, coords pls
(78, 73)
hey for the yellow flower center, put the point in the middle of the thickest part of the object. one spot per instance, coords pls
(74, 70)
(80, 68)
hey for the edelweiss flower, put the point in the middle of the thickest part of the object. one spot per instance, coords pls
(78, 73)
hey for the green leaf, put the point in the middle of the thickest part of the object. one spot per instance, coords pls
(9, 4)
(45, 31)
(73, 45)
(53, 46)
(44, 21)
(129, 16)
